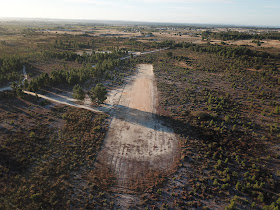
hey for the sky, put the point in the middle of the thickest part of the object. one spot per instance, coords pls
(236, 12)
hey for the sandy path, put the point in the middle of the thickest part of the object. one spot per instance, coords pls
(65, 101)
(24, 74)
(137, 147)
(5, 88)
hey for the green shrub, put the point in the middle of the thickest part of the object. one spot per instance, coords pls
(231, 205)
(238, 186)
(227, 118)
(215, 182)
(261, 197)
(31, 134)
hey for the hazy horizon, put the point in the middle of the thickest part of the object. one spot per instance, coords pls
(213, 12)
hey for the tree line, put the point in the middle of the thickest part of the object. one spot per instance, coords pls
(85, 58)
(226, 51)
(72, 44)
(236, 35)
(71, 76)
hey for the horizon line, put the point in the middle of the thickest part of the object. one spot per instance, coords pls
(224, 25)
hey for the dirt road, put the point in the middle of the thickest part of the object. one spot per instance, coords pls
(60, 99)
(138, 149)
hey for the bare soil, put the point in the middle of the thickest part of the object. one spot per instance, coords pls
(138, 149)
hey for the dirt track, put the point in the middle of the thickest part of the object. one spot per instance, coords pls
(138, 149)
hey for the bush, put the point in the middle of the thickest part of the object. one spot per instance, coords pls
(215, 182)
(261, 197)
(227, 118)
(32, 134)
(225, 186)
(238, 186)
(230, 206)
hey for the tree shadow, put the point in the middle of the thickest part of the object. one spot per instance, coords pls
(136, 117)
(150, 120)
(162, 123)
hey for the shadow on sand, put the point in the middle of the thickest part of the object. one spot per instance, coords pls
(162, 123)
(136, 117)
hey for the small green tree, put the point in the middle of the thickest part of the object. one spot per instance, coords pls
(78, 92)
(215, 182)
(99, 93)
(238, 186)
(260, 197)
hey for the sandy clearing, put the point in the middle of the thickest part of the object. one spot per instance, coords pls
(137, 147)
